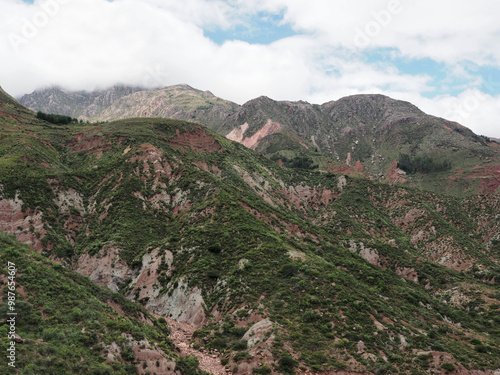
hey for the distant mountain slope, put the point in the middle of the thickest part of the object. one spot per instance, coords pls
(77, 104)
(178, 102)
(369, 133)
(280, 270)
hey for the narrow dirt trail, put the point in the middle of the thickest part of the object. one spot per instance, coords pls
(181, 336)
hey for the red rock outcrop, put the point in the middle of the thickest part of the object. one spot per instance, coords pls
(394, 174)
(197, 140)
(268, 129)
(26, 226)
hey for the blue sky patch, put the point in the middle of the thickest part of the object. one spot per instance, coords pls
(261, 28)
(451, 80)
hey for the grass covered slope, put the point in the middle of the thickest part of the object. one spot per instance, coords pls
(66, 324)
(281, 270)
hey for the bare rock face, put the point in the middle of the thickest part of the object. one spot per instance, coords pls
(155, 362)
(27, 226)
(237, 134)
(197, 140)
(184, 305)
(106, 269)
(181, 336)
(253, 141)
(257, 332)
(371, 255)
(149, 357)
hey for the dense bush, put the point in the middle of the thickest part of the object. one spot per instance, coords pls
(55, 119)
(448, 366)
(287, 364)
(298, 162)
(422, 164)
(264, 370)
(188, 366)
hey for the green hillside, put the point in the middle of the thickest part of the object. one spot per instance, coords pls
(280, 270)
(66, 324)
(372, 135)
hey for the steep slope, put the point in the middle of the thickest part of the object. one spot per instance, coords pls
(64, 323)
(8, 100)
(279, 270)
(178, 102)
(372, 133)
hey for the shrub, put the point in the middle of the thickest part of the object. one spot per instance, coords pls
(218, 343)
(287, 364)
(423, 164)
(128, 354)
(215, 249)
(448, 366)
(481, 348)
(240, 345)
(240, 356)
(55, 119)
(289, 270)
(264, 370)
(188, 365)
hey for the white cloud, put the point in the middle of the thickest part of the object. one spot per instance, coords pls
(472, 108)
(445, 30)
(84, 44)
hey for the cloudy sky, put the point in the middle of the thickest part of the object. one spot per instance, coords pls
(442, 55)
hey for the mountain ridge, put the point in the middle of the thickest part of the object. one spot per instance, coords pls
(367, 134)
(281, 270)
(75, 103)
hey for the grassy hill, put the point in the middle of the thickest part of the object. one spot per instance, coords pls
(280, 270)
(66, 324)
(372, 135)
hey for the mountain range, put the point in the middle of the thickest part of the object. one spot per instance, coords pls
(268, 243)
(360, 134)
